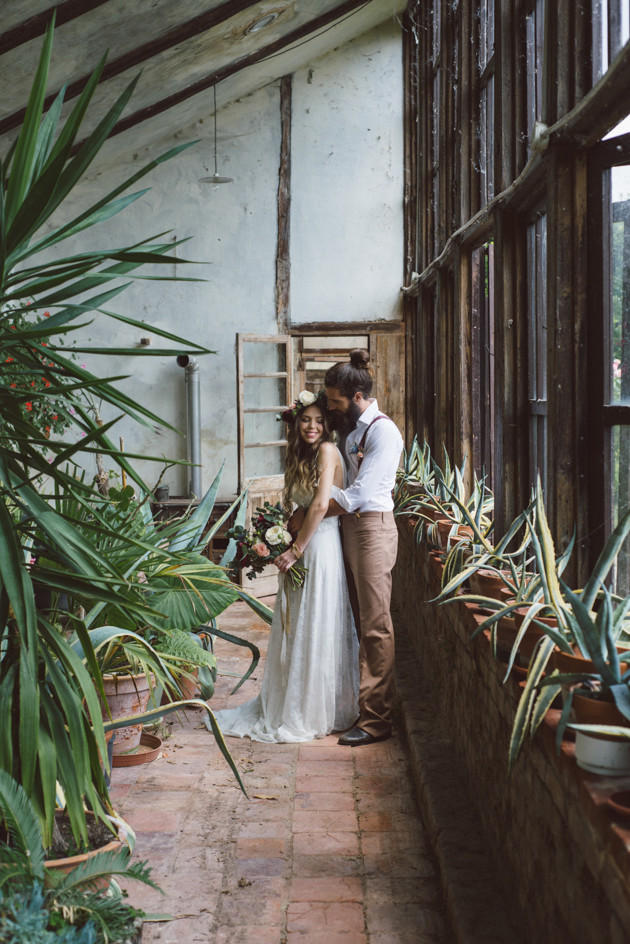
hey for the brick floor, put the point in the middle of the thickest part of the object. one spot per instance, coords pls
(327, 846)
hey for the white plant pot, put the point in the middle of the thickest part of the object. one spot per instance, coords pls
(599, 756)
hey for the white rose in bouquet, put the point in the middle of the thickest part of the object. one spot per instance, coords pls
(286, 536)
(306, 398)
(275, 535)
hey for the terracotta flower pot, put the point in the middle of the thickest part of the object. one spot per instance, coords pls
(189, 687)
(567, 663)
(522, 611)
(487, 583)
(451, 532)
(431, 514)
(597, 711)
(126, 695)
(508, 630)
(68, 863)
(619, 803)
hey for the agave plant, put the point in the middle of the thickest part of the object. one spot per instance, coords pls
(439, 484)
(594, 622)
(416, 473)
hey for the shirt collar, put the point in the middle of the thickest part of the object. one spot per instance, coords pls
(369, 413)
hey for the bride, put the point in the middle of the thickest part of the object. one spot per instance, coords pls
(311, 680)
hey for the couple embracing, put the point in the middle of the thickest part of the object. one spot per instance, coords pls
(330, 661)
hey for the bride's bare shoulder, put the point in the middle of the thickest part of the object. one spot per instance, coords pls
(328, 449)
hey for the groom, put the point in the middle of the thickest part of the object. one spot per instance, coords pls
(373, 446)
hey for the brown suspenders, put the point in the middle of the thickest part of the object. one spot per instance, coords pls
(360, 452)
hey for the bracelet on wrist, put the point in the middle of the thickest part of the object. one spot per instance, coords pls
(297, 550)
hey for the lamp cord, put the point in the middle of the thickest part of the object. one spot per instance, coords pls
(214, 89)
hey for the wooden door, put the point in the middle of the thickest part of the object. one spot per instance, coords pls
(322, 346)
(265, 388)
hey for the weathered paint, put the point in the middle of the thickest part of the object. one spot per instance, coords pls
(345, 243)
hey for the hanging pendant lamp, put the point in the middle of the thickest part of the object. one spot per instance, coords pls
(216, 177)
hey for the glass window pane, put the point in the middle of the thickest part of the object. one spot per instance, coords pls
(618, 368)
(617, 26)
(537, 346)
(490, 140)
(482, 361)
(599, 25)
(436, 30)
(483, 143)
(534, 47)
(620, 468)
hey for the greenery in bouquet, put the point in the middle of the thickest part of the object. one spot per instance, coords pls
(267, 539)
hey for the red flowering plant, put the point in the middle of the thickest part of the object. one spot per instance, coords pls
(33, 378)
(267, 539)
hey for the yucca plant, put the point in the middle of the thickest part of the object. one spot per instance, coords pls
(53, 730)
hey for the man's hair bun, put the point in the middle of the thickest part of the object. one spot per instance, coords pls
(359, 358)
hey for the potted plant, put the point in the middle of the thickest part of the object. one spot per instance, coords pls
(416, 475)
(48, 900)
(48, 693)
(593, 623)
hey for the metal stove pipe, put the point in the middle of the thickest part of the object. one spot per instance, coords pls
(193, 422)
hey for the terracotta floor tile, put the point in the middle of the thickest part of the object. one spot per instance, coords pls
(261, 846)
(243, 910)
(382, 821)
(404, 917)
(383, 890)
(326, 836)
(325, 768)
(255, 934)
(325, 916)
(318, 843)
(326, 889)
(386, 841)
(324, 801)
(318, 751)
(315, 821)
(326, 937)
(311, 866)
(260, 866)
(266, 828)
(149, 820)
(306, 783)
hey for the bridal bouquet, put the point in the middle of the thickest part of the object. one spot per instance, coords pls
(266, 540)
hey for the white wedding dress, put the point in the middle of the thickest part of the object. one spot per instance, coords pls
(311, 681)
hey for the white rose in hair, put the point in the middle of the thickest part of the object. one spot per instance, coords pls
(306, 398)
(275, 534)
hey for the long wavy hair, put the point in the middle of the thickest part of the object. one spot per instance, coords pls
(300, 473)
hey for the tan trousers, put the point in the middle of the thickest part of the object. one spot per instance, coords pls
(370, 543)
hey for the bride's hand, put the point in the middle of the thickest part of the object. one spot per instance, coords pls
(285, 561)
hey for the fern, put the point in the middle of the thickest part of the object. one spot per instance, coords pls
(186, 648)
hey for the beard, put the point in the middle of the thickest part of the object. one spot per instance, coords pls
(344, 423)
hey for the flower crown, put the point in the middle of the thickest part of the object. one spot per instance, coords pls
(305, 398)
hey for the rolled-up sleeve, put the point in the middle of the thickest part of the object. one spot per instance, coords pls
(377, 474)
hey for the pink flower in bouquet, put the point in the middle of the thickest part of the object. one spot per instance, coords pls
(261, 549)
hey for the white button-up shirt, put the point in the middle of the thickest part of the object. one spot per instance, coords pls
(370, 487)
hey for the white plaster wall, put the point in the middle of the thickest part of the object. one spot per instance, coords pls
(234, 236)
(346, 240)
(347, 182)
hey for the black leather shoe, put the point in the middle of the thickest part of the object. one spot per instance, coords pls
(355, 737)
